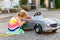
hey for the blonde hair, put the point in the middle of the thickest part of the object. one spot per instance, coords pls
(22, 13)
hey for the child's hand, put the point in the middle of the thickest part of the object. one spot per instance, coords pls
(24, 22)
(27, 17)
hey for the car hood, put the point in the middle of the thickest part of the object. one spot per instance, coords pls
(45, 20)
(50, 21)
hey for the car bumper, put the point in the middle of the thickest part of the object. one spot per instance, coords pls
(52, 28)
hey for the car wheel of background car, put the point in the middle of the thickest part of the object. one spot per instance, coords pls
(38, 29)
(54, 30)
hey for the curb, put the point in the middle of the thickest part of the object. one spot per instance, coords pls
(5, 17)
(4, 35)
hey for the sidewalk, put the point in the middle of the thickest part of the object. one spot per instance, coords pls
(42, 10)
(4, 16)
(8, 15)
(4, 21)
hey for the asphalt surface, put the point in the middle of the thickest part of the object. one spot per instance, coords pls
(31, 35)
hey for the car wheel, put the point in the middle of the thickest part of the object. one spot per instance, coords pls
(38, 29)
(54, 30)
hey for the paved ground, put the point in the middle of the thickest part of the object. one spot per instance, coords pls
(31, 35)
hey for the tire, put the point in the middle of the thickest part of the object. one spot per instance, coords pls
(38, 29)
(54, 30)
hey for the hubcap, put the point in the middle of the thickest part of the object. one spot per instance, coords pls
(37, 29)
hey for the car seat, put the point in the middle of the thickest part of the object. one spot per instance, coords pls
(37, 14)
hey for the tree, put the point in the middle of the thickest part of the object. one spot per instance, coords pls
(57, 3)
(42, 3)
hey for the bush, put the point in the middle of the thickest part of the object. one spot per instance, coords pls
(42, 3)
(24, 1)
(57, 3)
(0, 7)
(16, 6)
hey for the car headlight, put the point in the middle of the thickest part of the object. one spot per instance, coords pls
(48, 24)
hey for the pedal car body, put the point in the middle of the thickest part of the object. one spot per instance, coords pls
(39, 23)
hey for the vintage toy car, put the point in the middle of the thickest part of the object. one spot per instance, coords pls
(40, 24)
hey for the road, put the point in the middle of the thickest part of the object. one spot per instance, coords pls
(31, 35)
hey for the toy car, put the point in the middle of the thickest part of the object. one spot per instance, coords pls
(40, 24)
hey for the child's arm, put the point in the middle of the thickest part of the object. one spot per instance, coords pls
(20, 22)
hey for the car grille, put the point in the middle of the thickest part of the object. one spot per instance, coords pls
(53, 25)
